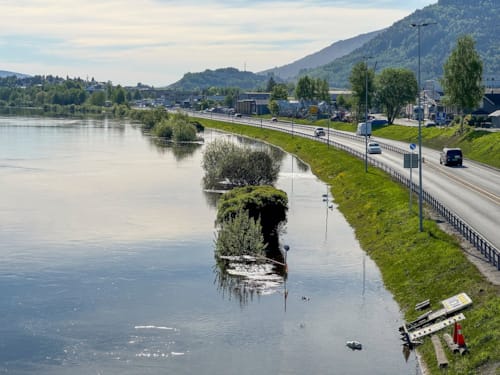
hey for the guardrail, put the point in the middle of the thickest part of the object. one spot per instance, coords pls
(489, 252)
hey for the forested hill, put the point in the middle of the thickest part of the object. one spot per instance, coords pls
(397, 46)
(5, 73)
(225, 77)
(322, 57)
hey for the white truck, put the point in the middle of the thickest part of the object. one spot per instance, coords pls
(364, 128)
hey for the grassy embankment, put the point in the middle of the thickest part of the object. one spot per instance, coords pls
(415, 266)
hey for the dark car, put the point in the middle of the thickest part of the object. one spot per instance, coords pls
(451, 156)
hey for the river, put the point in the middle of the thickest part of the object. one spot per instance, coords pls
(107, 266)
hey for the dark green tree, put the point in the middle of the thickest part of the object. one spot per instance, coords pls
(395, 87)
(462, 78)
(312, 89)
(240, 235)
(279, 92)
(270, 84)
(305, 88)
(119, 95)
(264, 203)
(360, 78)
(322, 90)
(274, 108)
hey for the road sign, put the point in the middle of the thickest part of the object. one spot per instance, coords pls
(413, 146)
(411, 160)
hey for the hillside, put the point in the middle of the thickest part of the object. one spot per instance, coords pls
(5, 73)
(225, 77)
(397, 46)
(322, 57)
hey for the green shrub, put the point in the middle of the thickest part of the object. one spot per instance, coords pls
(240, 235)
(163, 130)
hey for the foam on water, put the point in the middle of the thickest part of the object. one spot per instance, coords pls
(155, 327)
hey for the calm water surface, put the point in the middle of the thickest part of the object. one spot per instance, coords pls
(107, 267)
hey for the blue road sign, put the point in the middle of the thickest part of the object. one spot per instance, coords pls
(413, 146)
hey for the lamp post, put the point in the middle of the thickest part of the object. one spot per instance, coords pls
(366, 112)
(420, 114)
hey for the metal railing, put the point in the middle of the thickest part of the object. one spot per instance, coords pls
(488, 250)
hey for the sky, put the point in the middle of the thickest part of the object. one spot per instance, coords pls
(156, 42)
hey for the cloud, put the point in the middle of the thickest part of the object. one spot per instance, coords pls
(157, 41)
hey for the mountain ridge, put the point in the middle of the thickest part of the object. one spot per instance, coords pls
(397, 46)
(316, 59)
(6, 73)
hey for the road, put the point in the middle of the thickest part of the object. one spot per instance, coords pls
(472, 192)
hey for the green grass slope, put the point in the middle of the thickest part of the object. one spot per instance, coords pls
(414, 265)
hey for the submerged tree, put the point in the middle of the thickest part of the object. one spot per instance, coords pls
(228, 163)
(176, 127)
(264, 203)
(240, 235)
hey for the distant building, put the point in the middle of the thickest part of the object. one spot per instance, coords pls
(254, 95)
(253, 103)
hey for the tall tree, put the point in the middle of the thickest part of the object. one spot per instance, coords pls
(312, 89)
(322, 90)
(362, 78)
(118, 95)
(279, 92)
(462, 78)
(395, 87)
(270, 84)
(304, 88)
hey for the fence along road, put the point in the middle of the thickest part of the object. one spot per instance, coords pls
(482, 206)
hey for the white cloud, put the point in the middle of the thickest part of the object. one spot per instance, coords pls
(158, 41)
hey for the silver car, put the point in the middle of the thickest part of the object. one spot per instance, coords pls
(318, 132)
(374, 148)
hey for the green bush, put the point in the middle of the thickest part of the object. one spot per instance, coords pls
(240, 235)
(183, 132)
(264, 203)
(224, 161)
(163, 130)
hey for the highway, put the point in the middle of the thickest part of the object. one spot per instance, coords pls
(472, 192)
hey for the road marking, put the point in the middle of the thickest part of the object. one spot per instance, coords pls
(488, 195)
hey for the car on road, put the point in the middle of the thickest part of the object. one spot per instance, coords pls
(237, 115)
(451, 156)
(318, 132)
(274, 119)
(374, 148)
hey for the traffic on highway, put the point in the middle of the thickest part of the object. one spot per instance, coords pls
(471, 191)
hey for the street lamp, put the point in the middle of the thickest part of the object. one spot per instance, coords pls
(420, 114)
(366, 112)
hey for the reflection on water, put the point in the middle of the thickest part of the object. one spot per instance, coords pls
(247, 281)
(108, 268)
(179, 150)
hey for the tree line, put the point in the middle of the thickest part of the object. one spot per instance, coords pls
(39, 91)
(393, 88)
